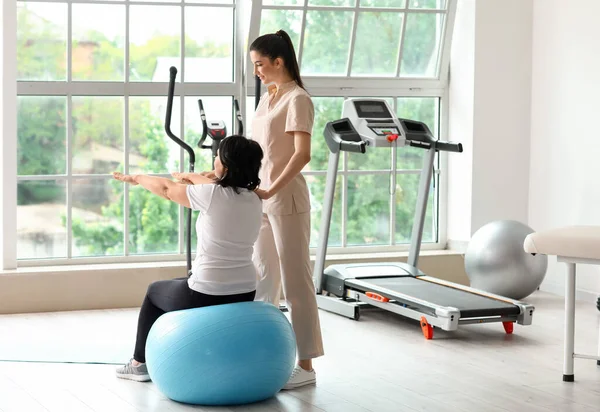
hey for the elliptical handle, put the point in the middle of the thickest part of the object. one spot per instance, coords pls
(238, 115)
(204, 125)
(173, 73)
(257, 84)
(181, 143)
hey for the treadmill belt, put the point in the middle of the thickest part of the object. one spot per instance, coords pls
(469, 304)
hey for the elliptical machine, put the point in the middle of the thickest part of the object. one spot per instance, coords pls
(217, 130)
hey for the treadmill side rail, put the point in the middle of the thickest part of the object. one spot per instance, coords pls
(475, 291)
(446, 318)
(392, 294)
(526, 310)
(339, 306)
(526, 316)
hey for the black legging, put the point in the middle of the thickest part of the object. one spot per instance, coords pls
(171, 295)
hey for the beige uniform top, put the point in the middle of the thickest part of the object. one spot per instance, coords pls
(281, 112)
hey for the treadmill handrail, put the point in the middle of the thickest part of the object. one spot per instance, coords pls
(402, 296)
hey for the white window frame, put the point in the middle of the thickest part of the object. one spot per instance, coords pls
(126, 89)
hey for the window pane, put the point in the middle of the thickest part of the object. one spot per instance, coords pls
(407, 188)
(41, 219)
(316, 185)
(383, 3)
(341, 3)
(368, 220)
(423, 109)
(150, 149)
(422, 44)
(327, 109)
(216, 108)
(427, 4)
(41, 41)
(97, 135)
(98, 42)
(155, 38)
(289, 20)
(208, 47)
(326, 42)
(374, 158)
(42, 135)
(97, 217)
(153, 223)
(383, 59)
(249, 116)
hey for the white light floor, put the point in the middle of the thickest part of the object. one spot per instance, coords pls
(380, 363)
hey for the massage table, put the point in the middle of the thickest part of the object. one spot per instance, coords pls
(571, 245)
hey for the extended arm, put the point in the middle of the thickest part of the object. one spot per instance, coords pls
(160, 186)
(195, 178)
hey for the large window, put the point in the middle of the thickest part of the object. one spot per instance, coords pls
(367, 209)
(92, 84)
(392, 49)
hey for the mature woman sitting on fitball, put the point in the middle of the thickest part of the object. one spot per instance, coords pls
(227, 229)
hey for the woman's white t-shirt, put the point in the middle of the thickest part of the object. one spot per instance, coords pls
(227, 229)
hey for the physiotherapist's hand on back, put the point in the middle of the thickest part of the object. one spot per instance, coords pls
(263, 194)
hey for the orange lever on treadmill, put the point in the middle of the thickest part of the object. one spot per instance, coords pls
(376, 296)
(392, 137)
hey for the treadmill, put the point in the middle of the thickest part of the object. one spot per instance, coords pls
(401, 288)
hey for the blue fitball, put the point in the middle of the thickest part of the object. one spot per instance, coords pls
(227, 354)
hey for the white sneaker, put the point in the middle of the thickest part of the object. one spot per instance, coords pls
(135, 373)
(301, 377)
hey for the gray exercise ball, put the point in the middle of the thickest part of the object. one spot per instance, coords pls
(495, 261)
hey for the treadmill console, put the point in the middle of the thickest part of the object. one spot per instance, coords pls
(375, 122)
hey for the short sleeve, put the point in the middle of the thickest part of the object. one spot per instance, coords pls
(300, 115)
(200, 196)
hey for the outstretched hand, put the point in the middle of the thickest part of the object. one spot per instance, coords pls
(182, 177)
(210, 174)
(125, 178)
(194, 178)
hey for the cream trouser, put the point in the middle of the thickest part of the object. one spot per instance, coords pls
(281, 254)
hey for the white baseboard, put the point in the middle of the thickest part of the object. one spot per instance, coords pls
(580, 294)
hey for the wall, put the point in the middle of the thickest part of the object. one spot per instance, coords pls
(461, 95)
(8, 129)
(565, 167)
(490, 92)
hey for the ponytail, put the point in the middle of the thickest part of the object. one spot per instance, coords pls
(277, 45)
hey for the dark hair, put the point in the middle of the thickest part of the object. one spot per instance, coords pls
(242, 157)
(276, 45)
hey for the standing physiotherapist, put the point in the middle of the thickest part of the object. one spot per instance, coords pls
(283, 124)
